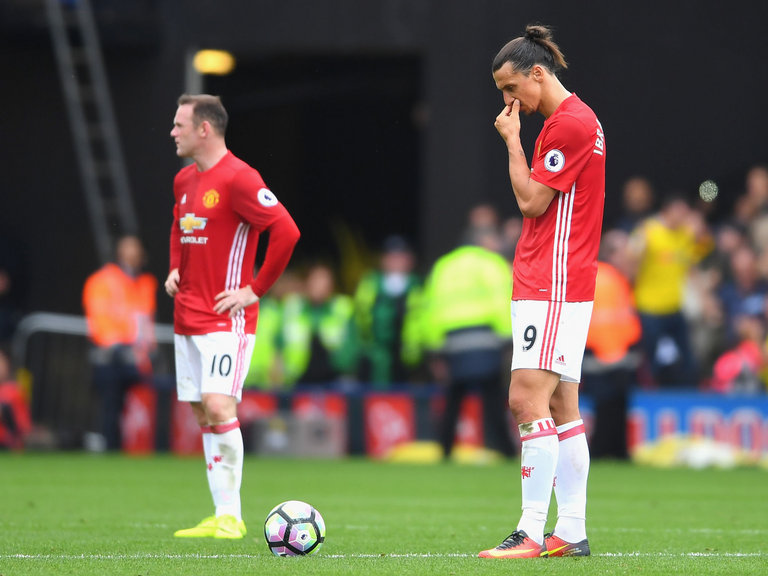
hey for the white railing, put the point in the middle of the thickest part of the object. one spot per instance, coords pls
(68, 324)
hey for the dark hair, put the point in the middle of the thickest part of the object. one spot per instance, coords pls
(206, 108)
(395, 243)
(674, 196)
(536, 46)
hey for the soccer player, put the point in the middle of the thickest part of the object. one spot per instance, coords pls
(222, 205)
(561, 197)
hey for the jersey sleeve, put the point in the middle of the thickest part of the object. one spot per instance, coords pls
(283, 236)
(561, 154)
(253, 201)
(257, 205)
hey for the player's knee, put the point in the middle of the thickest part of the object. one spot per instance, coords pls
(529, 394)
(199, 412)
(521, 406)
(219, 408)
(556, 410)
(564, 404)
(515, 408)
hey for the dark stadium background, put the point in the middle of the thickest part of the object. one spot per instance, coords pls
(369, 117)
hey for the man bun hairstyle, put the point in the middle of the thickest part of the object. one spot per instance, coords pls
(536, 46)
(206, 107)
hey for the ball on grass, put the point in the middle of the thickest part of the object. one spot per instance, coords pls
(294, 528)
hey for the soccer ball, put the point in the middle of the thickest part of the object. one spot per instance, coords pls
(294, 528)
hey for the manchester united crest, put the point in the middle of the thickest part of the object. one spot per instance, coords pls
(210, 198)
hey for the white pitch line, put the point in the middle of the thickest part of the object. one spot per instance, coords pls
(150, 556)
(625, 530)
(147, 556)
(600, 555)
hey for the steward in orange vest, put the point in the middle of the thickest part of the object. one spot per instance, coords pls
(120, 304)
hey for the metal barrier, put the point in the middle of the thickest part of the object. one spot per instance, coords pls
(319, 420)
(51, 350)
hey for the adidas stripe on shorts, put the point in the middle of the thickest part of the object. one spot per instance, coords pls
(550, 336)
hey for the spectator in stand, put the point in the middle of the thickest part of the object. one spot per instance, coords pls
(703, 312)
(739, 369)
(702, 306)
(262, 372)
(511, 229)
(744, 294)
(387, 317)
(467, 326)
(483, 216)
(756, 191)
(612, 357)
(729, 237)
(663, 250)
(15, 422)
(319, 344)
(265, 371)
(637, 199)
(120, 302)
(744, 212)
(756, 186)
(750, 209)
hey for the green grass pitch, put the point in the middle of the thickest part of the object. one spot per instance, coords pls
(70, 513)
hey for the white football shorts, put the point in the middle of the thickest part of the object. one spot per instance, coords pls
(550, 336)
(212, 363)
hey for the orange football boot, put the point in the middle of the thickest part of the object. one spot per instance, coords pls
(516, 545)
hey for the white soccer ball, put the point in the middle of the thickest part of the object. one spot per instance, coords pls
(294, 528)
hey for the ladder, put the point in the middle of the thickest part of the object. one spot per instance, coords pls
(92, 121)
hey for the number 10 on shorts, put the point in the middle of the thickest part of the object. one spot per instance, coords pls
(221, 365)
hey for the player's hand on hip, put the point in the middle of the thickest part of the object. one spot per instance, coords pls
(508, 121)
(233, 301)
(172, 283)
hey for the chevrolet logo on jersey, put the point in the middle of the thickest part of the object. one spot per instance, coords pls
(189, 223)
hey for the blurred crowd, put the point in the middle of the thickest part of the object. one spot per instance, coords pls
(698, 268)
(397, 325)
(681, 302)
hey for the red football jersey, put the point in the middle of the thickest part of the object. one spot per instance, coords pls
(556, 256)
(218, 216)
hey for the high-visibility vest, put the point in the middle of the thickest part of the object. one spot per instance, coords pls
(379, 317)
(332, 322)
(119, 308)
(468, 287)
(615, 325)
(263, 371)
